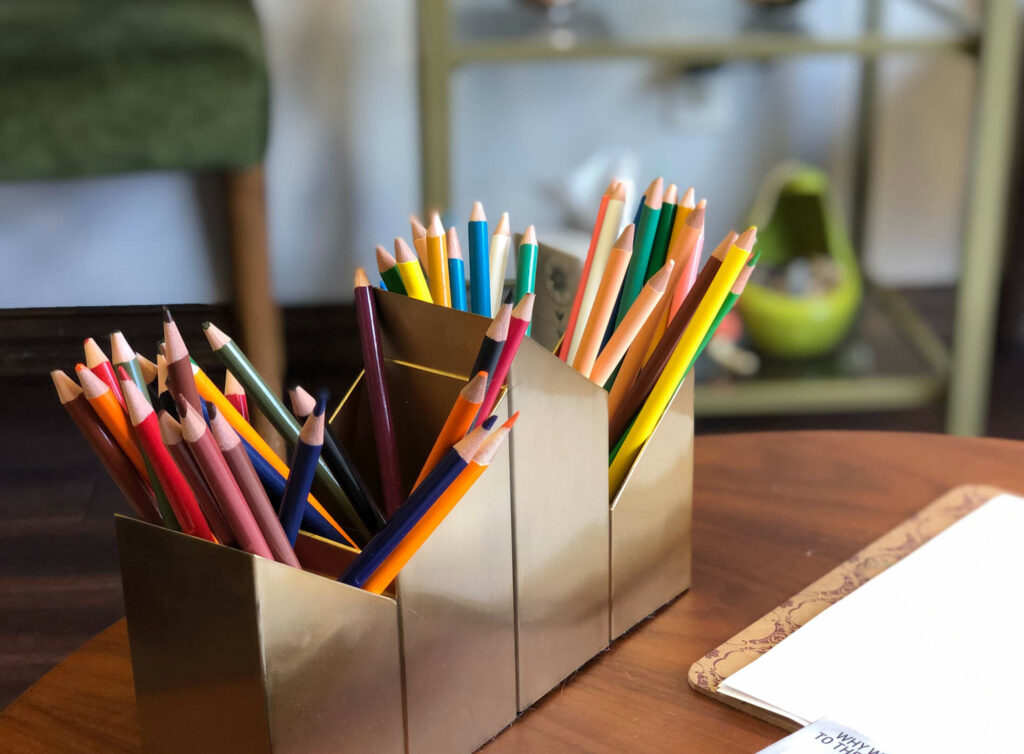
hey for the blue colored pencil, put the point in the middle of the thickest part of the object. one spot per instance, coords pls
(303, 468)
(410, 512)
(456, 270)
(479, 263)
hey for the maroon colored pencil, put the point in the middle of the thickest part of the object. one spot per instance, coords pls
(377, 390)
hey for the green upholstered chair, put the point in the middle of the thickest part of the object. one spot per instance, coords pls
(90, 87)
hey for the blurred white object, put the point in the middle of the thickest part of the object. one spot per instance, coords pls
(578, 194)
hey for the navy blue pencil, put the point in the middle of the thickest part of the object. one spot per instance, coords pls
(479, 263)
(303, 468)
(419, 502)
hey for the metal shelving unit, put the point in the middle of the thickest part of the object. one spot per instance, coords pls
(909, 365)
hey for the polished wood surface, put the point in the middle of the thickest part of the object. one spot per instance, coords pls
(773, 512)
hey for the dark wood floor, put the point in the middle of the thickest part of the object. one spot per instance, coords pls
(59, 581)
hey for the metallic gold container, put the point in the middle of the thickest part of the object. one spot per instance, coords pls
(651, 520)
(232, 652)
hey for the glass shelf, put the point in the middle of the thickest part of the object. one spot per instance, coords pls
(493, 30)
(892, 360)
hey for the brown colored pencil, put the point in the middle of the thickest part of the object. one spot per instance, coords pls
(124, 474)
(170, 433)
(252, 490)
(179, 366)
(225, 488)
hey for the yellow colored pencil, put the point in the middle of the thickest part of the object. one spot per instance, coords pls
(437, 263)
(411, 273)
(666, 386)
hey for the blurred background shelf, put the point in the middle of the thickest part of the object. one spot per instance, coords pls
(909, 365)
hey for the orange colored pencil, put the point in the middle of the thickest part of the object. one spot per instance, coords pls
(419, 240)
(458, 423)
(107, 408)
(437, 512)
(437, 263)
(637, 316)
(604, 303)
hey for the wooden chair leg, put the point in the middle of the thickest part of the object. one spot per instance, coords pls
(261, 335)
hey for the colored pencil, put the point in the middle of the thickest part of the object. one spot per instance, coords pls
(235, 393)
(377, 392)
(681, 250)
(411, 272)
(456, 270)
(494, 339)
(387, 266)
(570, 326)
(643, 241)
(459, 422)
(636, 393)
(303, 468)
(437, 263)
(675, 370)
(179, 495)
(212, 395)
(479, 263)
(248, 482)
(436, 513)
(232, 357)
(662, 236)
(147, 368)
(174, 441)
(341, 465)
(437, 481)
(222, 482)
(164, 399)
(600, 314)
(100, 365)
(419, 241)
(122, 355)
(180, 381)
(498, 254)
(606, 240)
(730, 300)
(634, 320)
(522, 313)
(526, 265)
(102, 401)
(106, 448)
(689, 275)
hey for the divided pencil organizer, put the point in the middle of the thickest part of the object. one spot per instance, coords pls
(528, 578)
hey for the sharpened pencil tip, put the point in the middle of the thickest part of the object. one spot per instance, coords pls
(747, 238)
(477, 213)
(167, 315)
(452, 240)
(361, 280)
(436, 228)
(403, 253)
(529, 236)
(625, 239)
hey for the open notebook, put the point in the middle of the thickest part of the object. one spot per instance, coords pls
(928, 656)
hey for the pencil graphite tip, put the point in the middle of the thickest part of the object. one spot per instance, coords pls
(452, 239)
(504, 228)
(384, 260)
(529, 236)
(215, 336)
(524, 309)
(748, 238)
(654, 193)
(625, 239)
(322, 396)
(508, 298)
(402, 252)
(435, 228)
(659, 280)
(498, 329)
(477, 214)
(418, 229)
(688, 198)
(671, 193)
(511, 420)
(167, 314)
(361, 280)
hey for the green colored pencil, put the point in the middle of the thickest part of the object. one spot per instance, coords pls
(388, 268)
(667, 218)
(232, 357)
(526, 266)
(646, 230)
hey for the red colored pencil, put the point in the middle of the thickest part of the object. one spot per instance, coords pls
(235, 394)
(521, 315)
(100, 365)
(147, 430)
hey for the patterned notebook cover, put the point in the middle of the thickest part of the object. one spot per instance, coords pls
(708, 673)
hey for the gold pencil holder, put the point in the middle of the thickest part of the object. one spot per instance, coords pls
(232, 652)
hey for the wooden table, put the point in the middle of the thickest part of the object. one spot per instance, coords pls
(772, 512)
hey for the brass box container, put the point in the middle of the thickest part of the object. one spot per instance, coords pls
(232, 652)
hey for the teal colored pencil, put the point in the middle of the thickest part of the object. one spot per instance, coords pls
(646, 229)
(456, 270)
(667, 218)
(479, 263)
(526, 266)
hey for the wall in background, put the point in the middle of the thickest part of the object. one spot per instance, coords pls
(343, 167)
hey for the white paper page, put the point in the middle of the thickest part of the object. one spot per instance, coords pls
(928, 655)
